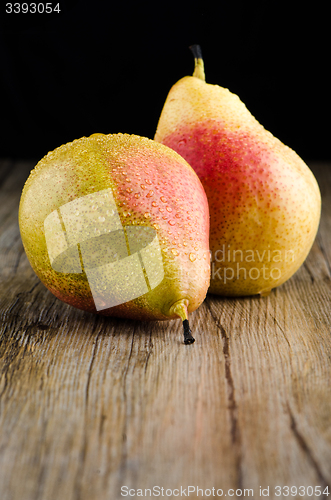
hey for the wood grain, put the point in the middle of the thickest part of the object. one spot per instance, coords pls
(89, 404)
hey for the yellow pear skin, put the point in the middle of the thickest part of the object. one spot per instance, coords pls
(118, 225)
(263, 199)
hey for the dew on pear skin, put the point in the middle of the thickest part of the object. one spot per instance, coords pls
(192, 257)
(174, 251)
(148, 182)
(163, 199)
(129, 190)
(137, 195)
(154, 204)
(147, 215)
(171, 222)
(101, 219)
(169, 209)
(150, 194)
(142, 186)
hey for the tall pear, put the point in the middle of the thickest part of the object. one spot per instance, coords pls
(264, 201)
(118, 225)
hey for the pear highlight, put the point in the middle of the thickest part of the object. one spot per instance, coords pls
(109, 222)
(263, 199)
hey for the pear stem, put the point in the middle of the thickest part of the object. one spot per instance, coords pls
(199, 71)
(188, 338)
(180, 308)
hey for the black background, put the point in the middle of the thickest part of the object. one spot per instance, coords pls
(106, 66)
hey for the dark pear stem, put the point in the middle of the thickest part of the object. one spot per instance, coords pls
(188, 339)
(199, 71)
(196, 50)
(179, 309)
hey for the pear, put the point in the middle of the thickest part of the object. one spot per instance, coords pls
(263, 199)
(118, 225)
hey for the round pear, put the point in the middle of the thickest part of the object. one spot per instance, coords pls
(118, 225)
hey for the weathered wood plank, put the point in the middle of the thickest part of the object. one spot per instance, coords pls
(89, 404)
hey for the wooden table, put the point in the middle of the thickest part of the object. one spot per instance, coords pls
(91, 404)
